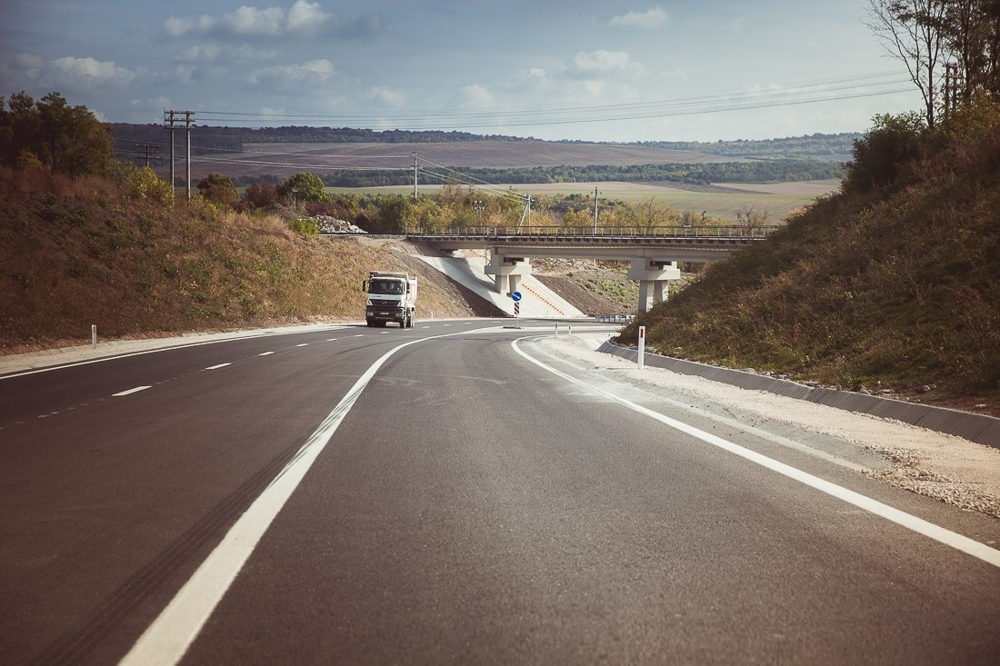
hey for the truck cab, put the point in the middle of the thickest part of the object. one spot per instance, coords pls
(392, 296)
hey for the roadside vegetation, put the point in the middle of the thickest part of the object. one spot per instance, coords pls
(891, 285)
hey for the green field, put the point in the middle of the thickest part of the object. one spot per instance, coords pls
(720, 201)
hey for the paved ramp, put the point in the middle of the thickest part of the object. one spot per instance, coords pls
(537, 299)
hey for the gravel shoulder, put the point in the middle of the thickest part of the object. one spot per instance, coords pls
(948, 468)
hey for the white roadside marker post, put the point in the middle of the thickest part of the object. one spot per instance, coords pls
(642, 346)
(93, 336)
(557, 329)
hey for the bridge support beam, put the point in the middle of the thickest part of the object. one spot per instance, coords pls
(507, 271)
(653, 276)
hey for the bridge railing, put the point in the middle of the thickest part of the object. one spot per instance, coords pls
(557, 233)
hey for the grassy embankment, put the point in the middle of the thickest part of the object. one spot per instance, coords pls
(79, 252)
(894, 289)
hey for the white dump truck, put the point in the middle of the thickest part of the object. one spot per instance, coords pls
(391, 297)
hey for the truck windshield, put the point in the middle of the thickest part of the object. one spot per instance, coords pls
(386, 287)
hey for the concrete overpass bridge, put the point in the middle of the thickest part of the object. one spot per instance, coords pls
(653, 253)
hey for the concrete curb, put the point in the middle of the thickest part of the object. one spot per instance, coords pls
(973, 427)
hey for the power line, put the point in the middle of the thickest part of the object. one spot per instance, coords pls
(810, 92)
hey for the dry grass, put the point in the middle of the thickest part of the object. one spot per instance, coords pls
(888, 291)
(75, 253)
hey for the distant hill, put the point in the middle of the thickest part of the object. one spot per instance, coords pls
(366, 158)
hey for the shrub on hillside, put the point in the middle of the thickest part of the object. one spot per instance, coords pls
(134, 183)
(261, 195)
(218, 189)
(884, 154)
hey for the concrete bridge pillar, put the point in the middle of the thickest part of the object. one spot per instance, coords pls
(653, 279)
(507, 271)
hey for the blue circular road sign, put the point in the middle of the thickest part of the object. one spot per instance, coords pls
(516, 296)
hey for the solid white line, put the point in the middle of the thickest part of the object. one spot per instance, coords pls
(265, 353)
(171, 634)
(918, 525)
(130, 391)
(216, 367)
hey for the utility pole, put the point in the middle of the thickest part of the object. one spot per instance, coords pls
(187, 123)
(526, 213)
(414, 176)
(171, 119)
(149, 148)
(168, 119)
(595, 211)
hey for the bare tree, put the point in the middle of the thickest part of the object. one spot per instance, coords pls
(914, 32)
(750, 220)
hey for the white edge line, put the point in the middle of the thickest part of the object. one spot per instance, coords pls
(130, 391)
(112, 357)
(170, 635)
(918, 525)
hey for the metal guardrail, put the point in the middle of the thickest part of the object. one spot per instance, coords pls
(602, 233)
(614, 319)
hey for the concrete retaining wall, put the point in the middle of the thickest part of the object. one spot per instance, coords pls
(973, 427)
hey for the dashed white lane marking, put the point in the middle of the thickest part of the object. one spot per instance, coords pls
(360, 335)
(216, 367)
(170, 635)
(265, 353)
(918, 525)
(304, 344)
(130, 391)
(331, 339)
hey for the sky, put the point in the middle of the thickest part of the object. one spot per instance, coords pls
(588, 70)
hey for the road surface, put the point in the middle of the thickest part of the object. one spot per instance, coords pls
(453, 493)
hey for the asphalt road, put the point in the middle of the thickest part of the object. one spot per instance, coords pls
(335, 497)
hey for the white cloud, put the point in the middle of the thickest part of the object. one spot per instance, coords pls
(388, 97)
(84, 73)
(201, 53)
(603, 62)
(302, 18)
(306, 16)
(250, 21)
(313, 72)
(178, 27)
(475, 97)
(30, 65)
(218, 53)
(152, 104)
(184, 74)
(648, 20)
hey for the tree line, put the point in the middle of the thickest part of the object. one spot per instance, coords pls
(951, 48)
(765, 171)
